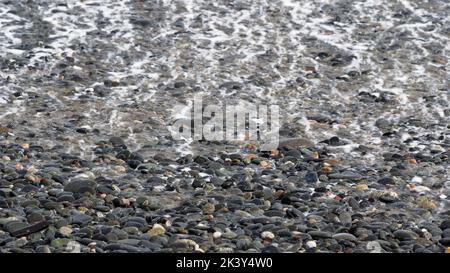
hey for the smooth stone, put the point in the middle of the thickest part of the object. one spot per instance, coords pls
(374, 247)
(405, 235)
(445, 224)
(35, 217)
(316, 234)
(124, 247)
(81, 186)
(445, 241)
(66, 198)
(132, 242)
(81, 219)
(345, 175)
(344, 237)
(295, 143)
(386, 181)
(14, 226)
(65, 231)
(345, 218)
(157, 230)
(60, 242)
(311, 177)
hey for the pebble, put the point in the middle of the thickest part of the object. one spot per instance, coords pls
(403, 235)
(217, 234)
(81, 186)
(311, 244)
(318, 234)
(346, 175)
(81, 219)
(374, 247)
(311, 177)
(65, 231)
(267, 236)
(345, 237)
(208, 208)
(157, 230)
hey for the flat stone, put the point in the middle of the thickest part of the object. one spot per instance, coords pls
(81, 186)
(344, 237)
(405, 235)
(317, 234)
(81, 219)
(346, 175)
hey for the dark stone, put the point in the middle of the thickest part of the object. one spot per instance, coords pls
(445, 241)
(198, 183)
(65, 198)
(25, 231)
(81, 186)
(311, 177)
(270, 249)
(386, 181)
(81, 219)
(133, 163)
(445, 224)
(405, 235)
(318, 234)
(387, 198)
(82, 130)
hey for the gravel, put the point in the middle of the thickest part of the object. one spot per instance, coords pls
(88, 164)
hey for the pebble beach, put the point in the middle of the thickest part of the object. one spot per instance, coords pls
(88, 89)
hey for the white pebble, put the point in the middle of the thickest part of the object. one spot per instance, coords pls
(217, 235)
(417, 179)
(421, 189)
(267, 235)
(311, 244)
(374, 247)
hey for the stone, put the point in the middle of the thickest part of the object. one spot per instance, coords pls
(386, 181)
(65, 231)
(311, 244)
(208, 208)
(344, 237)
(157, 230)
(81, 219)
(346, 175)
(311, 177)
(267, 235)
(374, 247)
(60, 242)
(318, 234)
(404, 235)
(81, 187)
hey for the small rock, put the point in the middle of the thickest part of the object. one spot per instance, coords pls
(318, 234)
(374, 247)
(217, 235)
(60, 242)
(362, 187)
(346, 175)
(208, 208)
(311, 177)
(81, 219)
(311, 244)
(81, 186)
(267, 235)
(157, 230)
(386, 181)
(65, 231)
(344, 237)
(405, 235)
(229, 234)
